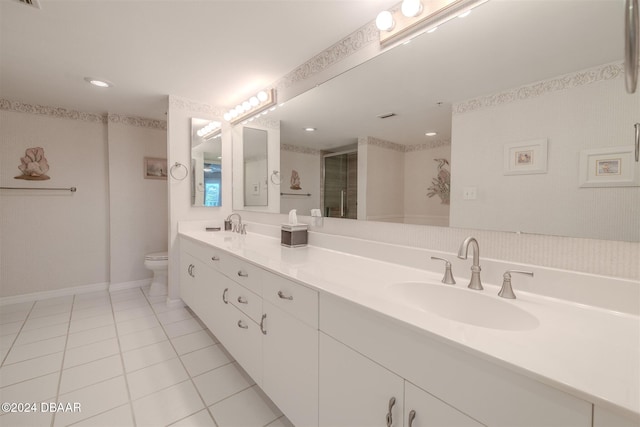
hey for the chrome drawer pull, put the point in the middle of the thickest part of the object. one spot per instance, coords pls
(215, 258)
(412, 416)
(283, 296)
(242, 300)
(264, 331)
(243, 274)
(392, 402)
(242, 325)
(224, 296)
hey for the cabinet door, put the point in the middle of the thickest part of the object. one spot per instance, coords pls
(424, 410)
(606, 418)
(190, 268)
(355, 391)
(290, 369)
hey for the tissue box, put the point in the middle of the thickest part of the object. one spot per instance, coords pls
(294, 236)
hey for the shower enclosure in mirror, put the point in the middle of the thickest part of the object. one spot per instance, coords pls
(206, 163)
(340, 184)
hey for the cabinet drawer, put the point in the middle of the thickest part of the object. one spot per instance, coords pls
(295, 299)
(245, 300)
(247, 274)
(209, 256)
(244, 342)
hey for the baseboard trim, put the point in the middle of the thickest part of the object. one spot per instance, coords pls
(129, 285)
(34, 296)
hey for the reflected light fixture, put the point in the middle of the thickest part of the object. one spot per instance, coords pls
(262, 102)
(413, 17)
(310, 129)
(98, 82)
(431, 133)
(212, 130)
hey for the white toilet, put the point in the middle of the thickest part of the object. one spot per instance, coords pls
(158, 262)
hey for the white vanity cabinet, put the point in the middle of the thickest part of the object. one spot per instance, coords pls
(290, 348)
(605, 418)
(424, 410)
(355, 391)
(483, 391)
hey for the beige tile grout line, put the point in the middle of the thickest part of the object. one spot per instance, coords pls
(18, 333)
(64, 353)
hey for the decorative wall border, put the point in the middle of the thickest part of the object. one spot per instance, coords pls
(300, 150)
(346, 47)
(195, 106)
(64, 113)
(394, 146)
(543, 87)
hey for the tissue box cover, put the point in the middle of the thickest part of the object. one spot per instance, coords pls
(294, 236)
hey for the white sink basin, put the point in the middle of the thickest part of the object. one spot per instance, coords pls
(464, 305)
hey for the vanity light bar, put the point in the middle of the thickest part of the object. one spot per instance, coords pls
(255, 105)
(210, 130)
(433, 14)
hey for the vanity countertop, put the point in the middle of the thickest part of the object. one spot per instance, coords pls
(589, 352)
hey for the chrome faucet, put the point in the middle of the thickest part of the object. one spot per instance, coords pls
(475, 282)
(236, 228)
(507, 291)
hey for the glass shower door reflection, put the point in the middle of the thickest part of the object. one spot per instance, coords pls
(341, 185)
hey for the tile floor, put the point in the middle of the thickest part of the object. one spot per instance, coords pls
(128, 360)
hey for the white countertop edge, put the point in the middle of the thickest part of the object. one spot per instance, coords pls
(628, 407)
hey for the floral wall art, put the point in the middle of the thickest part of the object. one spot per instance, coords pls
(34, 165)
(441, 184)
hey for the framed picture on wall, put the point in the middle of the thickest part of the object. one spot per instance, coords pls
(526, 157)
(609, 167)
(155, 168)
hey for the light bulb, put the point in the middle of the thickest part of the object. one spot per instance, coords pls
(384, 21)
(246, 106)
(254, 101)
(262, 96)
(227, 116)
(411, 8)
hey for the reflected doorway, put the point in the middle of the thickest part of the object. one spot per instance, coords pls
(340, 184)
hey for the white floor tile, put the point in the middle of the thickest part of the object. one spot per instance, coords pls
(85, 313)
(34, 390)
(32, 350)
(137, 325)
(91, 352)
(90, 373)
(6, 341)
(121, 416)
(91, 296)
(10, 328)
(127, 294)
(40, 334)
(281, 422)
(247, 408)
(133, 313)
(155, 378)
(79, 325)
(221, 383)
(94, 400)
(195, 341)
(67, 299)
(161, 306)
(33, 368)
(85, 304)
(142, 338)
(31, 419)
(15, 316)
(168, 405)
(21, 306)
(147, 356)
(128, 304)
(174, 315)
(50, 310)
(182, 327)
(93, 335)
(199, 419)
(43, 322)
(205, 359)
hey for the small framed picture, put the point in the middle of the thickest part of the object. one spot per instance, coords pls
(155, 168)
(609, 167)
(526, 157)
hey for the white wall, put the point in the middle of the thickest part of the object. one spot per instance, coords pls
(52, 240)
(138, 206)
(307, 163)
(550, 203)
(385, 184)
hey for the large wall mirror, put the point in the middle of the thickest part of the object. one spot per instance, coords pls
(254, 160)
(206, 163)
(533, 127)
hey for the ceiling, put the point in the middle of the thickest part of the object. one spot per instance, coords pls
(212, 51)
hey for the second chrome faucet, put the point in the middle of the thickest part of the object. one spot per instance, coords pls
(475, 282)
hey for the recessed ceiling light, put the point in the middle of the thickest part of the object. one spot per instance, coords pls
(431, 133)
(310, 129)
(98, 82)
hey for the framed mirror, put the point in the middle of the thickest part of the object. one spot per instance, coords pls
(536, 80)
(206, 163)
(254, 161)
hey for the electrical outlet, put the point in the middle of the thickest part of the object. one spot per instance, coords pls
(470, 193)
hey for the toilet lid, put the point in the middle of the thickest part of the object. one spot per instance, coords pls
(157, 256)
